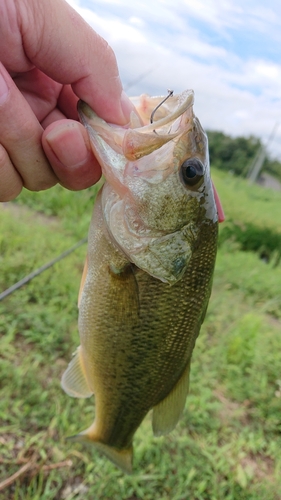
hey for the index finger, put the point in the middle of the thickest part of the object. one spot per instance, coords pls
(68, 50)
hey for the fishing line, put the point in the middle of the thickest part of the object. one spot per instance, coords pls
(41, 269)
(141, 77)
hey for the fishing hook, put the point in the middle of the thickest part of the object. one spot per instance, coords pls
(170, 93)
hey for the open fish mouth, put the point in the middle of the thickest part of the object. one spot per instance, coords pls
(141, 137)
(136, 150)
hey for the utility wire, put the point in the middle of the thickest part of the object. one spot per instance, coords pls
(41, 269)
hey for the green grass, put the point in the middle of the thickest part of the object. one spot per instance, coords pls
(226, 446)
(245, 203)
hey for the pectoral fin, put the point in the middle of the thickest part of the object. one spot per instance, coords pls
(74, 381)
(167, 413)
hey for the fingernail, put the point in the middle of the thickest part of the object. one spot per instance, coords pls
(4, 91)
(127, 106)
(68, 145)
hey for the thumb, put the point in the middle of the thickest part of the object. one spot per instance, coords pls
(62, 45)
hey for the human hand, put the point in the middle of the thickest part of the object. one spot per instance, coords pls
(50, 57)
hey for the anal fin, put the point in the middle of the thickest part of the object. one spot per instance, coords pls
(74, 381)
(168, 412)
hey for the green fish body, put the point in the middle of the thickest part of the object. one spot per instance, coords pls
(148, 277)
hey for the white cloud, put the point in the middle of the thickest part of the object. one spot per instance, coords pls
(137, 21)
(212, 11)
(158, 42)
(268, 70)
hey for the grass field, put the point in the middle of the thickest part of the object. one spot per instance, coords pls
(226, 446)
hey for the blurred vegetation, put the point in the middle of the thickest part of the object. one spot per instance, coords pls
(226, 446)
(236, 154)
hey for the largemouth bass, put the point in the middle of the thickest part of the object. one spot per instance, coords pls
(148, 275)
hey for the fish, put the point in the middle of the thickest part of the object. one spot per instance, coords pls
(148, 275)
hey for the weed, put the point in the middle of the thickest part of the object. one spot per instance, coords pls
(226, 446)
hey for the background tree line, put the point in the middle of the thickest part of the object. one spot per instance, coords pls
(237, 154)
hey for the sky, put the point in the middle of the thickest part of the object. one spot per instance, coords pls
(227, 51)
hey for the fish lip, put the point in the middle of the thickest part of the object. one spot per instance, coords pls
(83, 107)
(181, 102)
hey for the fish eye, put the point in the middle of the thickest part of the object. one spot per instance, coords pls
(191, 172)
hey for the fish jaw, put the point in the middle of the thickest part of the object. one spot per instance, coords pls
(150, 215)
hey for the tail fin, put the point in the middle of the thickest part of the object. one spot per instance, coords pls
(122, 458)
